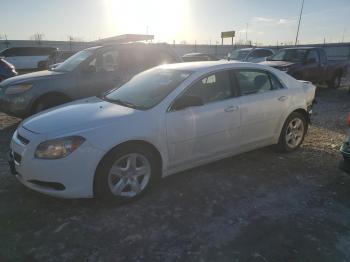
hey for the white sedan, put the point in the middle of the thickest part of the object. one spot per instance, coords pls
(164, 120)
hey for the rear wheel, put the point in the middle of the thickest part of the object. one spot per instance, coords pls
(125, 174)
(293, 133)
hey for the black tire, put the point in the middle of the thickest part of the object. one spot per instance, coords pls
(48, 102)
(282, 145)
(335, 81)
(102, 190)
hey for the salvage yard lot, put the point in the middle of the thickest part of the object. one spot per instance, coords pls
(259, 206)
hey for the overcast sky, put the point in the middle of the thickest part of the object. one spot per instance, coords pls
(268, 21)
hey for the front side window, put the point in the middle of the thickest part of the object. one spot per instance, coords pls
(212, 88)
(109, 62)
(148, 88)
(254, 82)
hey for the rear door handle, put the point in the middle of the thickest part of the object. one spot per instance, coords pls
(283, 98)
(231, 108)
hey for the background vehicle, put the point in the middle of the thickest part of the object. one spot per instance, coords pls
(345, 151)
(6, 70)
(27, 58)
(87, 73)
(253, 55)
(310, 64)
(194, 57)
(164, 120)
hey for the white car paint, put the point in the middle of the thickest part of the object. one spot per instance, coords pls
(26, 62)
(184, 139)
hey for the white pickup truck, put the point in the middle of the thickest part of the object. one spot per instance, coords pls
(27, 58)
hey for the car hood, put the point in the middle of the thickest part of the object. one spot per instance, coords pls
(278, 64)
(30, 77)
(79, 115)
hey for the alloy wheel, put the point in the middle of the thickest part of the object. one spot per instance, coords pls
(295, 133)
(129, 175)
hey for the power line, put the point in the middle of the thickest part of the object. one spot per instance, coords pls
(301, 13)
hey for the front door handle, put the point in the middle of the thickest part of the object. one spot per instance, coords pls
(231, 108)
(283, 98)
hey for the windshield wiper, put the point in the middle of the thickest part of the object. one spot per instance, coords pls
(121, 102)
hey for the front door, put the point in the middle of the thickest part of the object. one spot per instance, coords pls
(109, 69)
(209, 131)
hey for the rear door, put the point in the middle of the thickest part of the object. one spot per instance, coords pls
(263, 104)
(208, 131)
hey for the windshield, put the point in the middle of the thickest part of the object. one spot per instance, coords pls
(74, 61)
(239, 54)
(289, 55)
(147, 89)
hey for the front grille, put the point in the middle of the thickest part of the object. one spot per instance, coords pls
(23, 140)
(17, 157)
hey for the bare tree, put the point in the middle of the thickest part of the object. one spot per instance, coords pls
(37, 38)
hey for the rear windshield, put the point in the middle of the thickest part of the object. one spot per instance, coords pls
(239, 54)
(289, 55)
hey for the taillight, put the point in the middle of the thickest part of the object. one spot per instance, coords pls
(349, 119)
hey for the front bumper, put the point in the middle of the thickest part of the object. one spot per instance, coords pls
(345, 151)
(69, 177)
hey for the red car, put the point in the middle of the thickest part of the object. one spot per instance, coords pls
(345, 150)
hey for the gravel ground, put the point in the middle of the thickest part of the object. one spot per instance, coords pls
(259, 206)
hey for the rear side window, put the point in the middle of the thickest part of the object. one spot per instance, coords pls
(276, 83)
(255, 82)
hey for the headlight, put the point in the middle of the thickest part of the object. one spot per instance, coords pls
(17, 89)
(58, 148)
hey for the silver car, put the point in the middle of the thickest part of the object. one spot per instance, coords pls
(88, 73)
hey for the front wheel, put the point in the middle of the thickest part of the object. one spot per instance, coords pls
(293, 133)
(125, 174)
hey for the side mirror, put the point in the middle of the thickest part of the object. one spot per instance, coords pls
(89, 69)
(186, 101)
(229, 57)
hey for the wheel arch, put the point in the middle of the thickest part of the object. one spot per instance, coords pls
(143, 143)
(49, 94)
(303, 112)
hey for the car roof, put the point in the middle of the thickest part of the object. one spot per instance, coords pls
(253, 48)
(116, 45)
(194, 54)
(301, 48)
(206, 66)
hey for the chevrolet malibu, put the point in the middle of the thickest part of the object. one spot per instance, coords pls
(162, 121)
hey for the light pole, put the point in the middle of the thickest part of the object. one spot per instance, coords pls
(301, 13)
